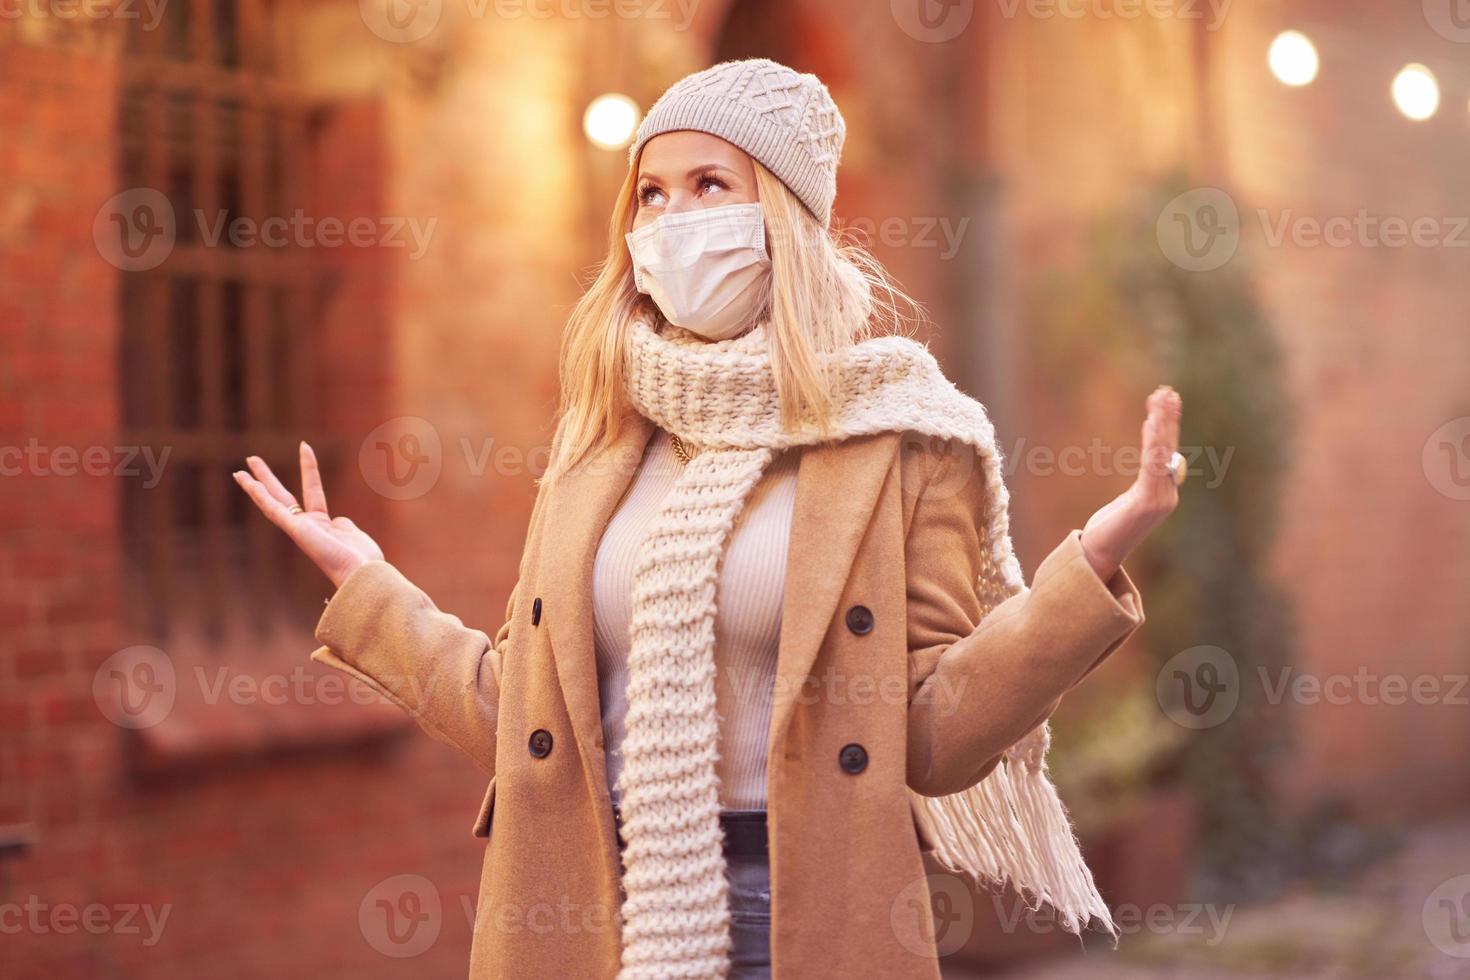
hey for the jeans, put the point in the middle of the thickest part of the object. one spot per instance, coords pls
(750, 916)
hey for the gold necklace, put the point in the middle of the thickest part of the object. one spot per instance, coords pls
(679, 449)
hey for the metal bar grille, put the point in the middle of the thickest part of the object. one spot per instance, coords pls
(217, 343)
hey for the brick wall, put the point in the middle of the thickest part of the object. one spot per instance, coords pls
(58, 557)
(250, 861)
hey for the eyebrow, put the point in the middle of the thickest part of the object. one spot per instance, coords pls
(702, 168)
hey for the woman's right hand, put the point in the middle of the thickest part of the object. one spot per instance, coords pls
(334, 543)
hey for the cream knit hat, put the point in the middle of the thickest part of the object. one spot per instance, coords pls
(784, 118)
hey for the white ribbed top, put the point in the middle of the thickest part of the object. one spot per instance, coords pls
(747, 619)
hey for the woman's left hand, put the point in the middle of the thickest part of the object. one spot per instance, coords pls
(1118, 528)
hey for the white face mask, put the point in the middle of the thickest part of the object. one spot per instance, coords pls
(707, 269)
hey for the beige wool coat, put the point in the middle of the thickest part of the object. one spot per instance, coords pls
(881, 521)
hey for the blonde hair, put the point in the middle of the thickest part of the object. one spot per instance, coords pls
(827, 292)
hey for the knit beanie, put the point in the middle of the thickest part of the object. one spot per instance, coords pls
(784, 118)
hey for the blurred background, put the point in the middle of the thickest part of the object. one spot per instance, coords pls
(228, 225)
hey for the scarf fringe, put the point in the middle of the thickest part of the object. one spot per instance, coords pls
(1011, 829)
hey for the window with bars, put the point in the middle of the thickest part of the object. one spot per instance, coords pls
(219, 344)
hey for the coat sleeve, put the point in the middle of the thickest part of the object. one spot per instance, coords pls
(385, 631)
(977, 687)
(382, 629)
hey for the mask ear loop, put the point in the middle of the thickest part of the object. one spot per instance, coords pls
(760, 243)
(637, 273)
(630, 240)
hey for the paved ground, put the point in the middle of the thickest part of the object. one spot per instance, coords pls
(1406, 917)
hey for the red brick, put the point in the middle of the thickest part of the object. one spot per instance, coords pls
(12, 418)
(13, 613)
(39, 564)
(15, 716)
(38, 662)
(59, 418)
(68, 709)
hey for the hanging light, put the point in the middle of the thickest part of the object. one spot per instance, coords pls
(1293, 58)
(610, 121)
(1415, 92)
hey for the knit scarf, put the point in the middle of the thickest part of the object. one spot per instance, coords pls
(719, 398)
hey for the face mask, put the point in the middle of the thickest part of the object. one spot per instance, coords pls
(707, 269)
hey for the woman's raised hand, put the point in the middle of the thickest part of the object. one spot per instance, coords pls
(334, 543)
(1123, 523)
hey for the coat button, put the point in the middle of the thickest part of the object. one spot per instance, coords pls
(853, 758)
(540, 743)
(536, 612)
(860, 619)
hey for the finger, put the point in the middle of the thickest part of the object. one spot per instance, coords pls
(278, 513)
(1156, 451)
(313, 497)
(1172, 409)
(268, 479)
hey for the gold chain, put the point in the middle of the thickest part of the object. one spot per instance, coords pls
(679, 449)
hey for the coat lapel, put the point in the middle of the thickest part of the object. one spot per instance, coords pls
(586, 497)
(837, 487)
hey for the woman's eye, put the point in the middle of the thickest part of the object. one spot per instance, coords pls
(651, 194)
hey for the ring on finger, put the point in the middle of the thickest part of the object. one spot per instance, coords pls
(297, 509)
(1178, 467)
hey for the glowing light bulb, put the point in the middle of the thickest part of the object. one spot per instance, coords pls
(1415, 92)
(610, 121)
(1293, 58)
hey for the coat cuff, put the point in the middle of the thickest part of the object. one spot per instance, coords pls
(348, 626)
(1114, 607)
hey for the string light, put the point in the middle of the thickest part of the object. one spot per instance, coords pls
(1293, 58)
(610, 121)
(1416, 92)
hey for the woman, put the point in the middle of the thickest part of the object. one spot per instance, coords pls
(769, 641)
